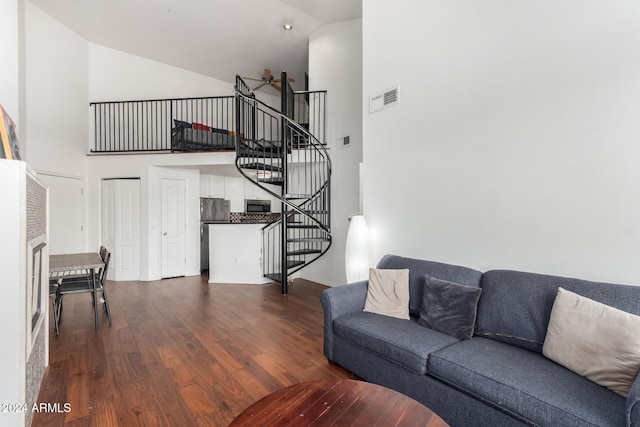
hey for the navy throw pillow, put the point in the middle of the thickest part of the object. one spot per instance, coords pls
(450, 308)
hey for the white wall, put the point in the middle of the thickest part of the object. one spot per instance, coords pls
(515, 143)
(9, 98)
(56, 95)
(119, 76)
(10, 70)
(56, 126)
(335, 65)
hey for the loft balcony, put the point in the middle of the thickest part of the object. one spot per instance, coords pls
(186, 124)
(158, 125)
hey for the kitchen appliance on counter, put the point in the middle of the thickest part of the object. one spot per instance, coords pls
(252, 206)
(212, 211)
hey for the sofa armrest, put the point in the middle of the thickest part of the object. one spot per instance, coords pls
(633, 404)
(337, 302)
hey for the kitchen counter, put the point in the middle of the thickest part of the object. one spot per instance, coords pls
(235, 253)
(253, 218)
(243, 218)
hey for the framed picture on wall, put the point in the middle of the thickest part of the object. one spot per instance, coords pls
(9, 137)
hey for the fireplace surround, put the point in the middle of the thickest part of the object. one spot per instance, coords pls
(24, 262)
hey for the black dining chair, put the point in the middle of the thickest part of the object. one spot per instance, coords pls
(54, 296)
(83, 284)
(101, 287)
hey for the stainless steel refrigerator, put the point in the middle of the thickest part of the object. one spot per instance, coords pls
(212, 211)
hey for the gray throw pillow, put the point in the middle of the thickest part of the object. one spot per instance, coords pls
(449, 307)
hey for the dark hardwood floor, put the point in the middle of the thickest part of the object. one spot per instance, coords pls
(181, 352)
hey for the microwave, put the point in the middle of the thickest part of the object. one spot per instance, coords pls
(257, 206)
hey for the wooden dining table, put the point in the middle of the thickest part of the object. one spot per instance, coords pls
(76, 265)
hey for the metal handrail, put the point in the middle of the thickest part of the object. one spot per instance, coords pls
(290, 122)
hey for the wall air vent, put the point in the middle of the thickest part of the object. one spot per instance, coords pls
(383, 100)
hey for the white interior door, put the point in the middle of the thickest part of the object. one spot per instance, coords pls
(66, 214)
(173, 228)
(121, 227)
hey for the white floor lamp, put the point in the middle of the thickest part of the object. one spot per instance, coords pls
(357, 251)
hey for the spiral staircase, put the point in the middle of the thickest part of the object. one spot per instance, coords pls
(282, 153)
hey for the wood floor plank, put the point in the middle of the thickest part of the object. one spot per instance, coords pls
(198, 402)
(105, 413)
(182, 352)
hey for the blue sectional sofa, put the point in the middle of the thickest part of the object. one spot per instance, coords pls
(499, 377)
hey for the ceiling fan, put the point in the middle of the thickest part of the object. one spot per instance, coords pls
(269, 79)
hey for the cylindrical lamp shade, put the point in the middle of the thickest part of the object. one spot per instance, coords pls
(357, 251)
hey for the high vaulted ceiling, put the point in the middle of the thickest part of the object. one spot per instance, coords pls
(218, 38)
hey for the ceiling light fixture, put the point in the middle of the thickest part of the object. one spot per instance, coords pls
(287, 27)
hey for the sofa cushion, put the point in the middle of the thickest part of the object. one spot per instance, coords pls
(401, 341)
(594, 340)
(515, 306)
(419, 268)
(525, 384)
(449, 307)
(388, 293)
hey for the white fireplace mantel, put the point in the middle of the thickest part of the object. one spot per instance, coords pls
(24, 230)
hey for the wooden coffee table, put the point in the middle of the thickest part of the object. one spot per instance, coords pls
(337, 402)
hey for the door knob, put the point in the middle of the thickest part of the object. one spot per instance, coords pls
(164, 234)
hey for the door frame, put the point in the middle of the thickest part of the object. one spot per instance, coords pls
(182, 228)
(153, 214)
(116, 260)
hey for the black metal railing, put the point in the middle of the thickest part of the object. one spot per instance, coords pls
(306, 240)
(307, 108)
(310, 109)
(259, 147)
(159, 124)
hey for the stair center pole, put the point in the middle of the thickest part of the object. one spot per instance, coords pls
(284, 273)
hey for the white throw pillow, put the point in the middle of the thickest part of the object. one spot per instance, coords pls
(388, 293)
(594, 340)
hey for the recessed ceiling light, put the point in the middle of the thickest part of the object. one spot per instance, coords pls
(287, 27)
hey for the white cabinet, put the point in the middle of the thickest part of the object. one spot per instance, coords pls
(204, 185)
(234, 192)
(251, 191)
(217, 186)
(236, 189)
(212, 186)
